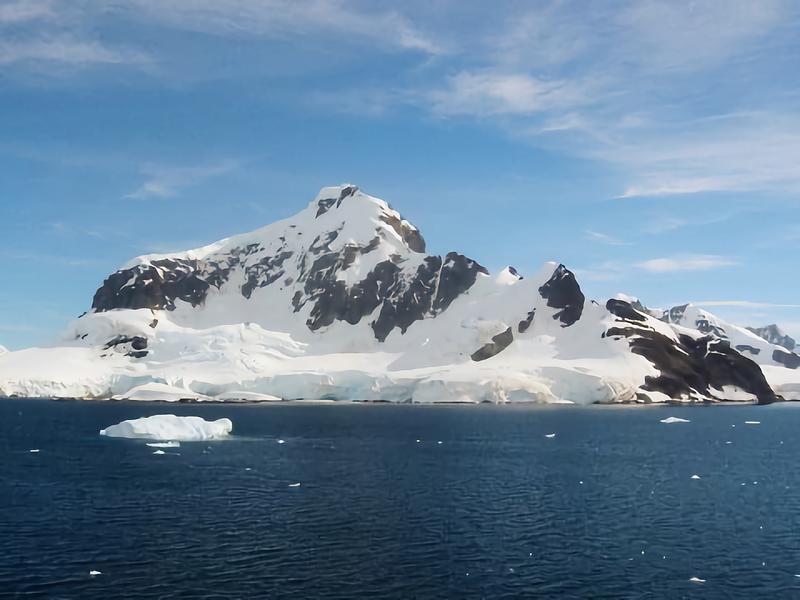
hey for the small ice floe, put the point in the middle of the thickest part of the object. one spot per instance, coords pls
(550, 435)
(695, 476)
(696, 580)
(752, 422)
(440, 442)
(419, 441)
(281, 441)
(164, 444)
(580, 483)
(728, 442)
(675, 420)
(294, 484)
(94, 573)
(34, 451)
(159, 452)
(248, 469)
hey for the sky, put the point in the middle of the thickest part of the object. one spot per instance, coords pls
(652, 146)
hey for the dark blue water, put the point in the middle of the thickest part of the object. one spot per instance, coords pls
(497, 510)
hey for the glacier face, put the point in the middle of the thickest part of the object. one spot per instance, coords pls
(342, 302)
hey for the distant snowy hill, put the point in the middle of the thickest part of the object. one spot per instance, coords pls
(774, 335)
(342, 302)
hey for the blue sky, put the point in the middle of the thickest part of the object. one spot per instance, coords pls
(651, 146)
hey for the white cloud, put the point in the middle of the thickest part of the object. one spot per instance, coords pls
(603, 238)
(743, 304)
(690, 262)
(25, 10)
(282, 18)
(66, 50)
(167, 182)
(485, 93)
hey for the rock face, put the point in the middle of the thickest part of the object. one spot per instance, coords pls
(342, 301)
(774, 335)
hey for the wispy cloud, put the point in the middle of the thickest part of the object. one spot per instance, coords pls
(682, 263)
(689, 262)
(67, 51)
(604, 238)
(485, 93)
(168, 181)
(25, 10)
(743, 304)
(283, 18)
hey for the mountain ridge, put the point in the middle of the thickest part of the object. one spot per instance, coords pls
(341, 301)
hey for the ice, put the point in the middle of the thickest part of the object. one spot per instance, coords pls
(164, 444)
(294, 485)
(281, 441)
(695, 477)
(159, 452)
(752, 422)
(550, 435)
(696, 580)
(94, 573)
(34, 450)
(675, 420)
(170, 427)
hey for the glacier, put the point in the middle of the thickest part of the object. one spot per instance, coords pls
(342, 302)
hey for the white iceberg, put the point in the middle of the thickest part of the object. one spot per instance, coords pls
(550, 435)
(170, 427)
(164, 444)
(752, 422)
(675, 420)
(695, 477)
(696, 580)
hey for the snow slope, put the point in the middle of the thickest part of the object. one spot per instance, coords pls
(342, 302)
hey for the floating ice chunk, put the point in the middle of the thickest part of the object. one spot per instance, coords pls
(248, 468)
(696, 580)
(294, 484)
(550, 435)
(695, 476)
(170, 427)
(94, 573)
(675, 420)
(728, 442)
(34, 450)
(281, 441)
(752, 422)
(159, 452)
(164, 444)
(418, 441)
(440, 442)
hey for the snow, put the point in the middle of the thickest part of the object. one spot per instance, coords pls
(170, 427)
(675, 420)
(259, 349)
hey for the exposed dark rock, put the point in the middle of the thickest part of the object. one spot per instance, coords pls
(691, 367)
(138, 345)
(457, 275)
(499, 343)
(408, 233)
(155, 286)
(787, 359)
(523, 325)
(264, 272)
(624, 310)
(563, 292)
(411, 304)
(774, 335)
(748, 348)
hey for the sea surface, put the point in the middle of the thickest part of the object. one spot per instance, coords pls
(402, 502)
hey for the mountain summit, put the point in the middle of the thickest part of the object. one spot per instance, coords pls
(342, 301)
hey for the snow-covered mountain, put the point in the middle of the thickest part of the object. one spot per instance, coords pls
(342, 301)
(774, 335)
